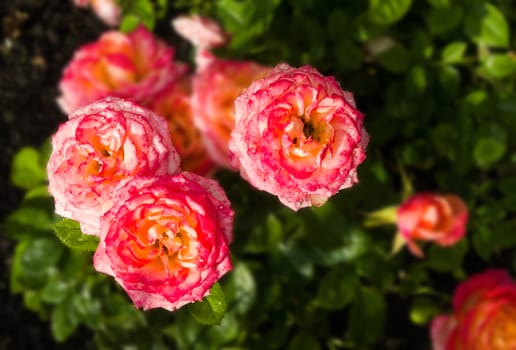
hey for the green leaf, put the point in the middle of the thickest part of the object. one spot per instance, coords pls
(212, 308)
(442, 20)
(500, 65)
(64, 322)
(303, 341)
(449, 77)
(387, 12)
(396, 59)
(453, 52)
(135, 12)
(488, 151)
(56, 290)
(485, 24)
(27, 221)
(69, 232)
(34, 262)
(298, 255)
(240, 289)
(129, 23)
(337, 288)
(27, 171)
(367, 317)
(447, 258)
(347, 54)
(439, 3)
(423, 310)
(416, 80)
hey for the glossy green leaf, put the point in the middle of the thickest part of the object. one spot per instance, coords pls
(69, 232)
(488, 151)
(212, 308)
(303, 341)
(28, 221)
(440, 3)
(240, 289)
(27, 170)
(34, 262)
(500, 65)
(416, 80)
(453, 52)
(386, 12)
(337, 288)
(447, 258)
(423, 310)
(367, 317)
(63, 322)
(396, 59)
(442, 20)
(485, 24)
(449, 77)
(55, 291)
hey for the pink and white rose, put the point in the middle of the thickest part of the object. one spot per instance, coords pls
(298, 135)
(483, 316)
(166, 239)
(134, 66)
(215, 88)
(174, 103)
(432, 217)
(99, 148)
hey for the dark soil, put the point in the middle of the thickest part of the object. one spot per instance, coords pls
(38, 38)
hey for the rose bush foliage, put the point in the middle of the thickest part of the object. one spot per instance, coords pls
(435, 84)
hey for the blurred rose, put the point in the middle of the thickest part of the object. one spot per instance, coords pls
(107, 10)
(204, 33)
(298, 135)
(174, 104)
(166, 240)
(483, 317)
(432, 217)
(100, 147)
(135, 66)
(215, 89)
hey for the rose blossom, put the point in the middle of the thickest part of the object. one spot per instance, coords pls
(483, 317)
(174, 104)
(215, 88)
(166, 239)
(99, 147)
(107, 10)
(298, 135)
(134, 65)
(432, 217)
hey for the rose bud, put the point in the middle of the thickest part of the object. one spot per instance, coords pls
(174, 103)
(483, 317)
(136, 66)
(107, 10)
(215, 89)
(298, 136)
(166, 239)
(97, 149)
(432, 217)
(202, 32)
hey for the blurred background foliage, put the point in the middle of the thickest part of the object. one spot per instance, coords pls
(436, 82)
